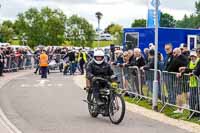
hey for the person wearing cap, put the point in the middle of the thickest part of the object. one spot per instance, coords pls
(151, 46)
(193, 83)
(184, 50)
(43, 61)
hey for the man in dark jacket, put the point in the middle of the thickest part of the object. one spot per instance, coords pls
(138, 61)
(175, 88)
(184, 50)
(169, 57)
(98, 68)
(71, 55)
(179, 60)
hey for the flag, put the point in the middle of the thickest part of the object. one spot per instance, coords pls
(151, 13)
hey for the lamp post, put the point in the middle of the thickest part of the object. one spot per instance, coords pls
(23, 39)
(99, 16)
(155, 82)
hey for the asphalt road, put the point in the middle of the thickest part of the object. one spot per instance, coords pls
(55, 106)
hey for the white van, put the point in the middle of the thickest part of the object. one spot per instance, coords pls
(106, 37)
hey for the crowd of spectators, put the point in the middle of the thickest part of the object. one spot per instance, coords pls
(14, 58)
(177, 62)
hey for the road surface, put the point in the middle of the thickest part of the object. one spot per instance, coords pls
(55, 106)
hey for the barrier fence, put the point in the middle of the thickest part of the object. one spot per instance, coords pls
(15, 63)
(182, 91)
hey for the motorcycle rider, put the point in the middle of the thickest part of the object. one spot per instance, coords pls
(98, 68)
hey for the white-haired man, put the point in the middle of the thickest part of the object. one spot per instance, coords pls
(177, 90)
(138, 61)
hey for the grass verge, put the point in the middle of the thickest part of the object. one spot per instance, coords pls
(168, 111)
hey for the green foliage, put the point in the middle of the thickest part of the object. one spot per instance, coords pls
(197, 5)
(191, 21)
(166, 20)
(168, 111)
(46, 27)
(6, 31)
(116, 31)
(79, 32)
(139, 23)
(102, 43)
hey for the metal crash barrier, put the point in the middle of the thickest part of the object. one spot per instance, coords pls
(182, 91)
(14, 63)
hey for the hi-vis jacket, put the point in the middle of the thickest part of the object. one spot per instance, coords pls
(43, 60)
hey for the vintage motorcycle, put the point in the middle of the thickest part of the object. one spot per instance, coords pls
(111, 96)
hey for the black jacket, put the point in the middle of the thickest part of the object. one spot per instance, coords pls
(150, 64)
(177, 62)
(139, 62)
(95, 70)
(168, 61)
(71, 55)
(2, 58)
(197, 69)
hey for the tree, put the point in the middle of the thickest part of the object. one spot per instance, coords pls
(166, 20)
(6, 31)
(79, 31)
(45, 26)
(116, 31)
(108, 27)
(139, 23)
(197, 5)
(191, 21)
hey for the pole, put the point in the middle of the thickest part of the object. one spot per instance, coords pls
(155, 82)
(98, 33)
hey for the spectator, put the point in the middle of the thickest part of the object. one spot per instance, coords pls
(184, 50)
(146, 53)
(1, 62)
(151, 46)
(138, 61)
(126, 70)
(178, 61)
(169, 57)
(197, 69)
(160, 62)
(43, 64)
(117, 63)
(150, 64)
(130, 55)
(193, 94)
(82, 59)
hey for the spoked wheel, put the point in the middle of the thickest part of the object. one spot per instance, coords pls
(91, 107)
(117, 109)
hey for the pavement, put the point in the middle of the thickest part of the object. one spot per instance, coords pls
(5, 125)
(55, 105)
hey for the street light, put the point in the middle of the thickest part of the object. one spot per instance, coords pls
(99, 15)
(24, 39)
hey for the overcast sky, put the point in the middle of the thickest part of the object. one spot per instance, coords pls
(114, 11)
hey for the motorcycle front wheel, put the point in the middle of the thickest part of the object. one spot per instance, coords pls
(117, 109)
